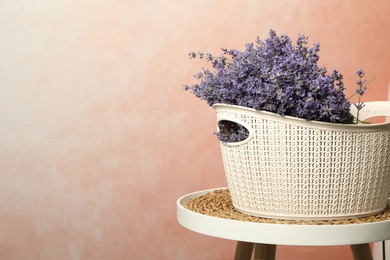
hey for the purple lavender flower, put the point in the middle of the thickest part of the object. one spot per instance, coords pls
(231, 132)
(360, 73)
(277, 76)
(360, 91)
(192, 55)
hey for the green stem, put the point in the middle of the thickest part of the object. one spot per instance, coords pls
(358, 111)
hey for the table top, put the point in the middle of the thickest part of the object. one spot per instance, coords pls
(280, 234)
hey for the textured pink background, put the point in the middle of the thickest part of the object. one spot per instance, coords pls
(97, 137)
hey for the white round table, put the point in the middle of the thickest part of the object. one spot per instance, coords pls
(264, 236)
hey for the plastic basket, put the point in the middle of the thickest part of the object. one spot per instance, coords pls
(290, 168)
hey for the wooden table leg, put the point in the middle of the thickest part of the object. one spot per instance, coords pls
(361, 252)
(243, 251)
(265, 252)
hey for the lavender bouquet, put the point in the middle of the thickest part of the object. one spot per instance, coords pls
(276, 76)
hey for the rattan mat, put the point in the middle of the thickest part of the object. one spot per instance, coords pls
(219, 204)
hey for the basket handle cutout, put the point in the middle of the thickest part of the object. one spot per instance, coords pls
(231, 132)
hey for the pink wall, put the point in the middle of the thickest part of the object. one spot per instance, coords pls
(98, 139)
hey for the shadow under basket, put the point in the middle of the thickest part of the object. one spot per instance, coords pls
(290, 168)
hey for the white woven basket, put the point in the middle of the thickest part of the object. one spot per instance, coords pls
(290, 168)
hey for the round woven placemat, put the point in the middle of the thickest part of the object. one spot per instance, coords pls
(219, 204)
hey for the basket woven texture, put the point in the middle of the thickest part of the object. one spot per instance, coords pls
(290, 168)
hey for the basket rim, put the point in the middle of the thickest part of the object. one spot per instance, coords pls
(222, 107)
